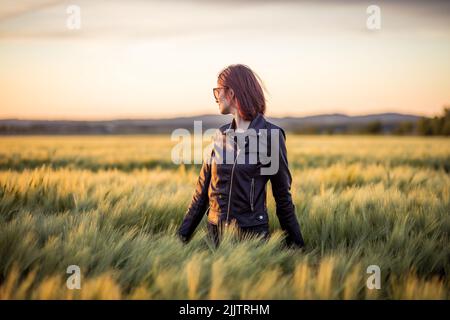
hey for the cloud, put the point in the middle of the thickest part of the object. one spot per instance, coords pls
(13, 9)
(139, 19)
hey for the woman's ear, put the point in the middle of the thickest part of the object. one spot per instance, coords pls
(231, 93)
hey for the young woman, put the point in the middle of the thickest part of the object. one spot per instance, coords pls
(233, 190)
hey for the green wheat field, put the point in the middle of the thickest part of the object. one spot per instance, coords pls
(112, 204)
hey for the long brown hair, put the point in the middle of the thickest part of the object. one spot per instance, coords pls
(247, 87)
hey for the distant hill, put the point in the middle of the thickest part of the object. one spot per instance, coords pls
(319, 123)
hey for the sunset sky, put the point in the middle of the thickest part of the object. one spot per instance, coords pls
(145, 59)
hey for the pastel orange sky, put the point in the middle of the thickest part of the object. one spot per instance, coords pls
(144, 59)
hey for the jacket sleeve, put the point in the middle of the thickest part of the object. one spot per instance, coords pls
(281, 190)
(198, 205)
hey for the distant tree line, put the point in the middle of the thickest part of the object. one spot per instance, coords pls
(435, 126)
(413, 125)
(438, 125)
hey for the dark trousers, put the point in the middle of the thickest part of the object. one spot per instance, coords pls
(215, 232)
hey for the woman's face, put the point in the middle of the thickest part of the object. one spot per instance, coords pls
(224, 99)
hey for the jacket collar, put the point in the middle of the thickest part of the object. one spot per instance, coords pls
(259, 122)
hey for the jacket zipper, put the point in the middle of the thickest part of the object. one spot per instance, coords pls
(231, 186)
(252, 193)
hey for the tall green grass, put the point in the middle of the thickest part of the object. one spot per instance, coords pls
(111, 205)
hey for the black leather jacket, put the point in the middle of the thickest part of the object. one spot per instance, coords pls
(229, 190)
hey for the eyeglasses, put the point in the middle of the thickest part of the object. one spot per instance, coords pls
(216, 92)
